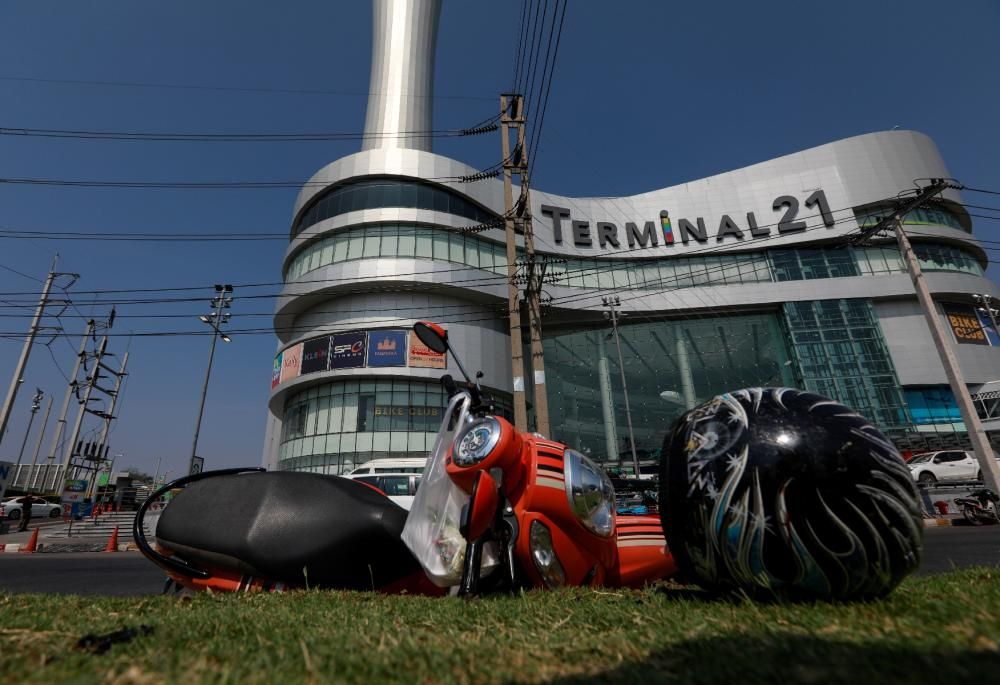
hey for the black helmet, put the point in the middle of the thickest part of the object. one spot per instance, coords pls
(774, 490)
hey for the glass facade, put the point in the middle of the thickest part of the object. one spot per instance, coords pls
(333, 427)
(386, 192)
(841, 354)
(921, 216)
(670, 366)
(932, 257)
(408, 240)
(932, 404)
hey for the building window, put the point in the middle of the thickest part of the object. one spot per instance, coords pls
(841, 354)
(670, 367)
(932, 404)
(333, 427)
(921, 216)
(378, 193)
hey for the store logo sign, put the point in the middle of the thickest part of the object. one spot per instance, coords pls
(387, 348)
(316, 355)
(606, 234)
(347, 350)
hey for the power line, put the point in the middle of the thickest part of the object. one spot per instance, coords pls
(237, 89)
(24, 275)
(20, 132)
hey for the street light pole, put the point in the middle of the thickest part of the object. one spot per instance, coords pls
(611, 303)
(223, 300)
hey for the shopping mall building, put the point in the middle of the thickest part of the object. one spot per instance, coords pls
(741, 279)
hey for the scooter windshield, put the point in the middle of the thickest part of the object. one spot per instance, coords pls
(432, 531)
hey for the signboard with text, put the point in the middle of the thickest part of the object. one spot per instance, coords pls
(6, 475)
(965, 324)
(291, 363)
(347, 350)
(276, 372)
(315, 355)
(74, 490)
(387, 348)
(421, 356)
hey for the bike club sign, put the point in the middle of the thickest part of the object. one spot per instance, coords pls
(671, 230)
(354, 350)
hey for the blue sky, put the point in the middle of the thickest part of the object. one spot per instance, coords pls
(645, 95)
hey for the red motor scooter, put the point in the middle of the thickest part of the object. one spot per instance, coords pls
(544, 512)
(497, 509)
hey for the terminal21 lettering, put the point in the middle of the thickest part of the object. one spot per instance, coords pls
(606, 234)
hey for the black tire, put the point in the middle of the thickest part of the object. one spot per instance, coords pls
(927, 478)
(15, 515)
(54, 514)
(969, 512)
(979, 476)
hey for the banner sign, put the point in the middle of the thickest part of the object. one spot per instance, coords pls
(347, 350)
(74, 490)
(387, 348)
(991, 332)
(421, 356)
(6, 474)
(965, 324)
(315, 355)
(291, 363)
(276, 372)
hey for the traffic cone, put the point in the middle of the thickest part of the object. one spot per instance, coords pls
(112, 545)
(32, 543)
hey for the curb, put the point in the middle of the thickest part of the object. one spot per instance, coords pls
(58, 547)
(934, 523)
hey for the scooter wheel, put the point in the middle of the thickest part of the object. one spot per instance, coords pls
(970, 515)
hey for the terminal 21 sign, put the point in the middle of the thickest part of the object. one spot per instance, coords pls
(684, 230)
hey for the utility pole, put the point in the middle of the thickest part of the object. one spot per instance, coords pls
(612, 313)
(223, 300)
(84, 401)
(22, 361)
(977, 435)
(108, 416)
(70, 391)
(35, 467)
(36, 404)
(519, 216)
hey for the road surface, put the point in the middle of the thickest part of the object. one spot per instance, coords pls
(129, 573)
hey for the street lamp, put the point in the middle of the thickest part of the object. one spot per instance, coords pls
(223, 300)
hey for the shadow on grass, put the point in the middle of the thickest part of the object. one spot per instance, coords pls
(783, 659)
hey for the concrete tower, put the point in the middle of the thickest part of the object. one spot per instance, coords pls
(404, 36)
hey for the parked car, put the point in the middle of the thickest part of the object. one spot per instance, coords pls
(392, 465)
(40, 508)
(400, 487)
(945, 465)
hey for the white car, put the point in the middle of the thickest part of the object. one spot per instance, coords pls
(932, 467)
(400, 487)
(40, 508)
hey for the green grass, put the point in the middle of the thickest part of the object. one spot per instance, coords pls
(941, 629)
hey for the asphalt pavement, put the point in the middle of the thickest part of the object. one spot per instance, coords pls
(131, 574)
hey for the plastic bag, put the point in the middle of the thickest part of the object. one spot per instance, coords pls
(432, 530)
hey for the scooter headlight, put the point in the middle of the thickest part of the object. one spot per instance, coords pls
(544, 555)
(477, 441)
(591, 495)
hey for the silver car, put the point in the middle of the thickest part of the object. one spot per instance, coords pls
(40, 508)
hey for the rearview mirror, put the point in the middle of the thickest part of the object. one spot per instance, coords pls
(432, 335)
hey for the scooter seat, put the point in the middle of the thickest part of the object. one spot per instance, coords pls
(305, 528)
